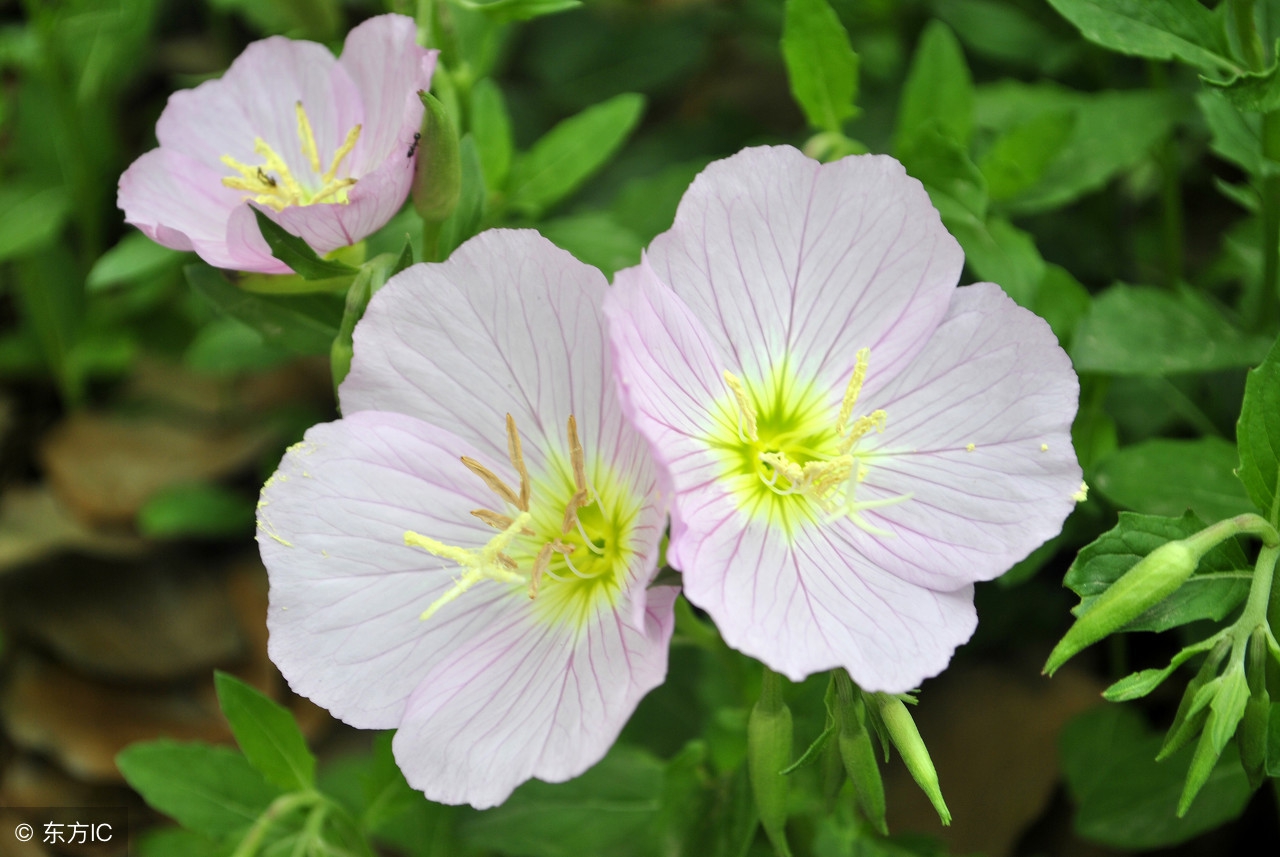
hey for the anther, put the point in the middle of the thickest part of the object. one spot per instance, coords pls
(746, 414)
(516, 453)
(494, 484)
(307, 137)
(853, 389)
(576, 456)
(540, 565)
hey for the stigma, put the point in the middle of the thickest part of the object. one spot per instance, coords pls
(526, 552)
(821, 465)
(274, 185)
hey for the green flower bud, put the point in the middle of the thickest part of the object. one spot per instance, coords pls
(1225, 712)
(1190, 717)
(768, 753)
(437, 176)
(858, 752)
(358, 294)
(1154, 578)
(832, 775)
(904, 735)
(1251, 736)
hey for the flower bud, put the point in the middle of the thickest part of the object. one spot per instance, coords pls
(437, 176)
(1225, 713)
(1251, 736)
(1155, 577)
(858, 753)
(768, 752)
(1190, 717)
(904, 735)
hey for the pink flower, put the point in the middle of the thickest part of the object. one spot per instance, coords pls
(321, 144)
(465, 556)
(852, 440)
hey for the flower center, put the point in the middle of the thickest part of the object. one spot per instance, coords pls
(273, 184)
(566, 544)
(784, 457)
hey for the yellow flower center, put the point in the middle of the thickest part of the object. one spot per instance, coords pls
(272, 184)
(786, 460)
(560, 540)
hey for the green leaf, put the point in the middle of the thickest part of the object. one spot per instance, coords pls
(197, 509)
(226, 346)
(1139, 684)
(1235, 136)
(386, 792)
(505, 11)
(1018, 159)
(134, 258)
(491, 129)
(306, 324)
(1112, 132)
(569, 153)
(1142, 330)
(267, 733)
(296, 253)
(595, 238)
(999, 252)
(30, 218)
(1127, 800)
(1218, 585)
(1166, 477)
(1170, 29)
(821, 64)
(1258, 436)
(51, 298)
(605, 811)
(943, 166)
(939, 88)
(647, 205)
(176, 842)
(1062, 301)
(1008, 34)
(1257, 92)
(210, 790)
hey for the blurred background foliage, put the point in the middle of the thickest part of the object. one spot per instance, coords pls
(1119, 198)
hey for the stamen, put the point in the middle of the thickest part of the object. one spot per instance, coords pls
(541, 564)
(277, 164)
(576, 456)
(576, 502)
(307, 137)
(494, 484)
(861, 427)
(746, 414)
(516, 453)
(345, 149)
(494, 519)
(855, 387)
(488, 562)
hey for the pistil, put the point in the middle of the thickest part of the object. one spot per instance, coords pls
(273, 184)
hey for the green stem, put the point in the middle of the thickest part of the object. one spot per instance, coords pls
(771, 685)
(1255, 609)
(278, 809)
(1250, 41)
(1171, 189)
